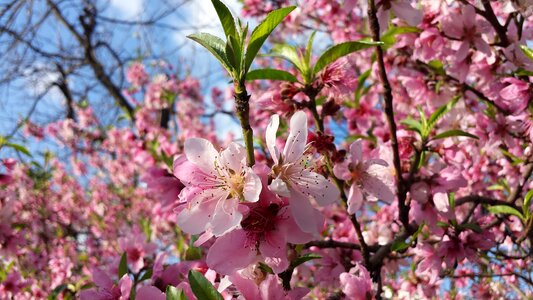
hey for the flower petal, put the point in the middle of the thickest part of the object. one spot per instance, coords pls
(295, 146)
(292, 231)
(274, 250)
(149, 292)
(356, 151)
(270, 137)
(355, 199)
(378, 188)
(233, 157)
(304, 213)
(230, 253)
(227, 216)
(316, 186)
(252, 186)
(279, 187)
(201, 153)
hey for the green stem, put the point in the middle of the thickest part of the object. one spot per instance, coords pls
(243, 113)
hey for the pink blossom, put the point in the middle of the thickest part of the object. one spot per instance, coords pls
(265, 288)
(369, 178)
(137, 75)
(136, 249)
(337, 79)
(149, 292)
(105, 288)
(465, 27)
(401, 8)
(215, 185)
(292, 177)
(356, 284)
(515, 96)
(264, 232)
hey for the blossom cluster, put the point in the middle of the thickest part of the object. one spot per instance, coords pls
(340, 196)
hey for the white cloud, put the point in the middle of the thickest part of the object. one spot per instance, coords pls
(128, 8)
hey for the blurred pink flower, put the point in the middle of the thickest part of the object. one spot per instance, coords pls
(105, 288)
(136, 249)
(137, 75)
(356, 284)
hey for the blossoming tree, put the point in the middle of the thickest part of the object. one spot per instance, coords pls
(386, 153)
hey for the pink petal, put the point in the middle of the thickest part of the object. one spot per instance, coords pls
(292, 231)
(463, 51)
(149, 293)
(230, 253)
(233, 157)
(315, 185)
(274, 250)
(246, 287)
(341, 170)
(279, 187)
(227, 216)
(101, 279)
(405, 11)
(270, 288)
(297, 140)
(378, 189)
(201, 153)
(482, 46)
(125, 285)
(469, 17)
(252, 186)
(270, 137)
(194, 219)
(304, 213)
(441, 202)
(355, 199)
(356, 151)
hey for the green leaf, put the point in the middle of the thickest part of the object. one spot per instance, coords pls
(437, 66)
(506, 210)
(270, 74)
(527, 51)
(389, 37)
(288, 53)
(265, 268)
(262, 31)
(472, 226)
(440, 112)
(175, 294)
(19, 148)
(215, 45)
(527, 202)
(123, 265)
(57, 291)
(193, 253)
(309, 49)
(399, 246)
(335, 52)
(454, 132)
(202, 288)
(226, 18)
(304, 258)
(412, 124)
(147, 275)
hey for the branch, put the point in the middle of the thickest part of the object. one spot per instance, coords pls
(389, 111)
(483, 200)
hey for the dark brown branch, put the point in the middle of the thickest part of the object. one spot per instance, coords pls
(483, 200)
(389, 111)
(493, 20)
